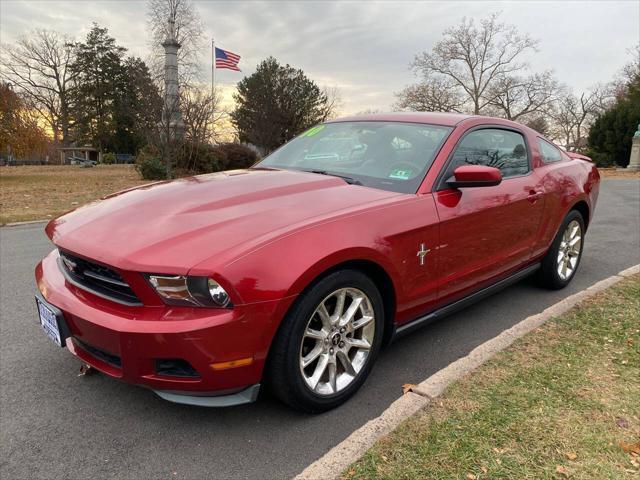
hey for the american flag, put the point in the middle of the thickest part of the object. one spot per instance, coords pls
(225, 59)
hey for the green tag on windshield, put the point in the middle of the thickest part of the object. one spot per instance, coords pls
(313, 131)
(400, 174)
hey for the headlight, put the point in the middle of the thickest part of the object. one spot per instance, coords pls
(190, 291)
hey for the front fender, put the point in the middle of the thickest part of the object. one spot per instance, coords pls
(285, 267)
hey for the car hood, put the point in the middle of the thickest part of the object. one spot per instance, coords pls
(169, 227)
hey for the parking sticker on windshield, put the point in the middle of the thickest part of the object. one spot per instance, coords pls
(312, 131)
(400, 174)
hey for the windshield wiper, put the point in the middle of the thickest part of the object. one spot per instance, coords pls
(349, 180)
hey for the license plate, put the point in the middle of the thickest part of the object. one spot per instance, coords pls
(50, 323)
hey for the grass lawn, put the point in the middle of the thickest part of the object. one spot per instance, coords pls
(562, 402)
(41, 192)
(617, 173)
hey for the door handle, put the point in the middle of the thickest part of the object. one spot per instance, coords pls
(534, 196)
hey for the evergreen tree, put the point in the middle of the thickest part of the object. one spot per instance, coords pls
(115, 101)
(275, 104)
(610, 137)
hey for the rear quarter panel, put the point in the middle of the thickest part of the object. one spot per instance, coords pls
(565, 184)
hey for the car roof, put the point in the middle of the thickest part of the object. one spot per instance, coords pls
(434, 118)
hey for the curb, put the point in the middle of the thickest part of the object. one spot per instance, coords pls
(336, 460)
(19, 224)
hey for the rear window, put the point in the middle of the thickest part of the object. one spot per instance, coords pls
(548, 152)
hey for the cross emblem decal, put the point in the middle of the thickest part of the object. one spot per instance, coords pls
(422, 253)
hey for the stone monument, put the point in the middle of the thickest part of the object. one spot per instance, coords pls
(171, 115)
(634, 158)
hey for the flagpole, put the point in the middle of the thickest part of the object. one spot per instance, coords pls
(213, 67)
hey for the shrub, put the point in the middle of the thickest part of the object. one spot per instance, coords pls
(599, 158)
(198, 158)
(236, 156)
(108, 158)
(150, 166)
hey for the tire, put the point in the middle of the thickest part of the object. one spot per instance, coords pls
(560, 253)
(326, 344)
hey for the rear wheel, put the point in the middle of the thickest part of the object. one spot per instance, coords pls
(327, 343)
(561, 261)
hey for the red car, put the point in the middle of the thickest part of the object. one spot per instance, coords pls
(295, 272)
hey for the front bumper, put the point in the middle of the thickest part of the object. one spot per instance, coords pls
(127, 342)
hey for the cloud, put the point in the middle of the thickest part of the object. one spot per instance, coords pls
(363, 47)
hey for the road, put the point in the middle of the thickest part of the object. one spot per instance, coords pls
(56, 424)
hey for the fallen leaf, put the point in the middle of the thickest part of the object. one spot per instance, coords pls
(85, 369)
(484, 469)
(630, 447)
(407, 387)
(571, 455)
(471, 476)
(622, 422)
(562, 471)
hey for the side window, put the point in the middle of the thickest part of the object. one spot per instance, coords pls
(548, 152)
(493, 147)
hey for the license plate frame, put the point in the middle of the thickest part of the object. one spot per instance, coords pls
(52, 321)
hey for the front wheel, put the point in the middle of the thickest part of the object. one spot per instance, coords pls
(327, 343)
(561, 261)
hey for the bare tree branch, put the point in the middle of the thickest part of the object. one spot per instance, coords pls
(201, 114)
(438, 95)
(334, 102)
(38, 66)
(474, 57)
(188, 32)
(515, 97)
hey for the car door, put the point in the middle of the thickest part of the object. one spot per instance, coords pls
(486, 232)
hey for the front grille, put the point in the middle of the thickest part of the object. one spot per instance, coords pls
(97, 279)
(106, 357)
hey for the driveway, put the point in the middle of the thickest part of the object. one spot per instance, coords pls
(56, 424)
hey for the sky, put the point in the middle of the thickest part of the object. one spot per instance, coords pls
(362, 47)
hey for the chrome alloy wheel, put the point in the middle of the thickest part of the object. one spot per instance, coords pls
(337, 341)
(569, 250)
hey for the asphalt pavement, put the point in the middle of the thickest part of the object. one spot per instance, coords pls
(55, 424)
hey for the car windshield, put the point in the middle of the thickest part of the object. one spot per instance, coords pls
(387, 155)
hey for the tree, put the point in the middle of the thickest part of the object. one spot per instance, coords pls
(431, 95)
(116, 104)
(39, 68)
(472, 58)
(137, 107)
(539, 124)
(96, 70)
(573, 115)
(20, 134)
(516, 98)
(275, 104)
(610, 137)
(201, 113)
(334, 102)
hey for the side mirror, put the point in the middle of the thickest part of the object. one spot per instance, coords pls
(475, 176)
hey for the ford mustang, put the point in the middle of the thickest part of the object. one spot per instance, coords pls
(293, 274)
